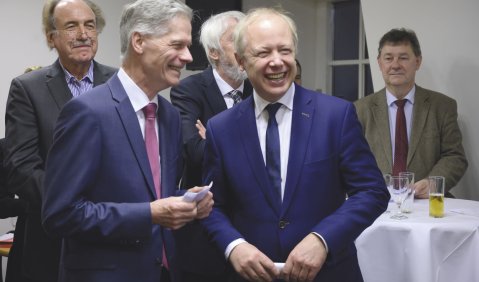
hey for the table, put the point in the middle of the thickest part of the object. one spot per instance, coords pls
(422, 248)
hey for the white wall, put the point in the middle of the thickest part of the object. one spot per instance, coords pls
(447, 32)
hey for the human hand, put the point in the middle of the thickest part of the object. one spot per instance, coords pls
(422, 189)
(205, 205)
(201, 129)
(305, 260)
(173, 212)
(252, 264)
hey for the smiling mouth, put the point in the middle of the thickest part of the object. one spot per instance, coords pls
(178, 69)
(276, 76)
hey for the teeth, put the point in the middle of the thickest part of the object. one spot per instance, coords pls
(276, 76)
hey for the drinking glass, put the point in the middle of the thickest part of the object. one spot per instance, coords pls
(408, 202)
(399, 189)
(387, 179)
(436, 196)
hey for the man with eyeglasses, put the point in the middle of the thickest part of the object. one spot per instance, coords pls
(35, 99)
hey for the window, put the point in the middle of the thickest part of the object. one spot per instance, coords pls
(349, 66)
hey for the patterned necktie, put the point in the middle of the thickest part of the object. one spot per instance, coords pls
(235, 95)
(152, 147)
(401, 146)
(273, 155)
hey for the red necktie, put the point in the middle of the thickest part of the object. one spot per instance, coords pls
(153, 151)
(152, 147)
(401, 146)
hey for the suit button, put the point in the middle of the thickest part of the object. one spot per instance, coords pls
(282, 224)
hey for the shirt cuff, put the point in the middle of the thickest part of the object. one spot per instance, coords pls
(232, 245)
(322, 240)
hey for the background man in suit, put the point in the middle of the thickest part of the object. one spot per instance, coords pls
(433, 135)
(292, 209)
(116, 215)
(71, 27)
(198, 98)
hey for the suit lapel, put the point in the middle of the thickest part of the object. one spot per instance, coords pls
(58, 86)
(213, 94)
(381, 119)
(166, 148)
(420, 112)
(246, 121)
(302, 119)
(130, 124)
(100, 74)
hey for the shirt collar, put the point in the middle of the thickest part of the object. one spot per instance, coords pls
(390, 98)
(224, 87)
(286, 100)
(70, 78)
(137, 97)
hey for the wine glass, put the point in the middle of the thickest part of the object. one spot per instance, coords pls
(399, 189)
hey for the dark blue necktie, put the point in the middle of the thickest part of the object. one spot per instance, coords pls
(273, 159)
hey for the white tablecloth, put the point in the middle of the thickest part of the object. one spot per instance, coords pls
(422, 248)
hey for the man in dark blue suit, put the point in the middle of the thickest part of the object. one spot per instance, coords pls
(111, 174)
(199, 97)
(280, 195)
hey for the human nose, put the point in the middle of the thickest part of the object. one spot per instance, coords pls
(186, 56)
(395, 63)
(276, 59)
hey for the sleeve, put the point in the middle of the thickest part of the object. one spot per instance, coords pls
(184, 99)
(452, 163)
(23, 162)
(363, 183)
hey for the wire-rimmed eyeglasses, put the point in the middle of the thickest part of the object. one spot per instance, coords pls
(74, 31)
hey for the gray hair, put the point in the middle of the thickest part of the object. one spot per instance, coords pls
(255, 15)
(150, 17)
(212, 30)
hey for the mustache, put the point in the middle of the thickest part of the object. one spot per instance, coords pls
(77, 43)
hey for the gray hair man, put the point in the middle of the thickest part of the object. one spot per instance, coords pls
(119, 210)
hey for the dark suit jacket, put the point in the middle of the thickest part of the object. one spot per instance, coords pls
(9, 207)
(104, 216)
(328, 159)
(435, 145)
(198, 97)
(34, 102)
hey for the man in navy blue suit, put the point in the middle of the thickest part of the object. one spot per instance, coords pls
(199, 97)
(111, 174)
(280, 194)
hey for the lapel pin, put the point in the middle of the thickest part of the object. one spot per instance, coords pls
(305, 114)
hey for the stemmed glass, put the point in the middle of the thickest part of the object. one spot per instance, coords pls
(399, 188)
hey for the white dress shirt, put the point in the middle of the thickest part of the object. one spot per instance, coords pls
(225, 88)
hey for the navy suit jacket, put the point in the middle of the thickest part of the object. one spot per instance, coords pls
(98, 188)
(328, 159)
(198, 97)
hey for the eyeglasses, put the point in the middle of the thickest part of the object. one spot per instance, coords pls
(89, 31)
